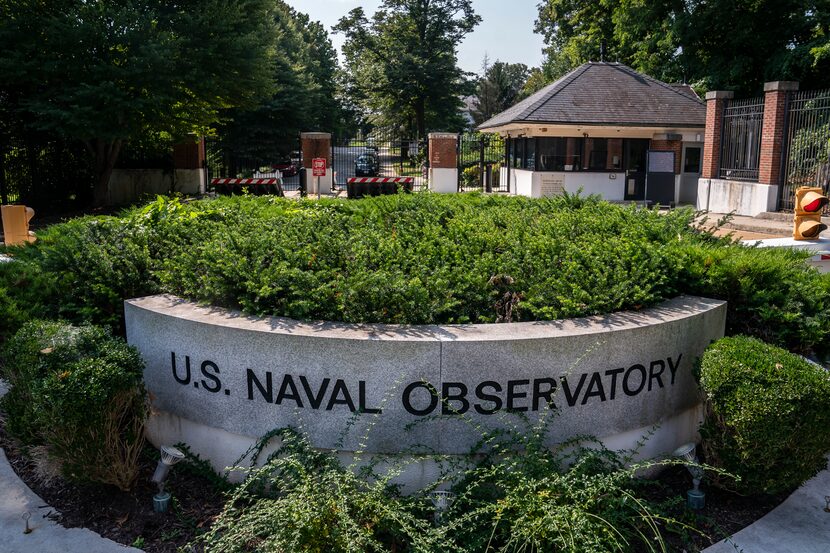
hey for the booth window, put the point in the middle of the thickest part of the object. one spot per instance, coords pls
(636, 150)
(596, 153)
(692, 163)
(530, 154)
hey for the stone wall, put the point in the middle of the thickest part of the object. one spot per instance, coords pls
(229, 378)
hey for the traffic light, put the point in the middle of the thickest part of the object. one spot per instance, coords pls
(808, 204)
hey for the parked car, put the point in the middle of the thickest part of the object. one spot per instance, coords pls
(366, 165)
(285, 166)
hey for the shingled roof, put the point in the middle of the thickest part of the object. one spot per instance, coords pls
(601, 93)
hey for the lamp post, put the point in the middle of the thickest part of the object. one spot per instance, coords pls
(169, 457)
(695, 498)
(441, 500)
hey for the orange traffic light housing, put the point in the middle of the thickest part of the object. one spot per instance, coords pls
(808, 205)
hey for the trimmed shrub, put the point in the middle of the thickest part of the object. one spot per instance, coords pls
(82, 270)
(412, 259)
(78, 391)
(771, 293)
(768, 415)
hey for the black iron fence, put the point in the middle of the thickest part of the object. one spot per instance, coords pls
(743, 122)
(49, 174)
(222, 162)
(480, 159)
(379, 153)
(807, 159)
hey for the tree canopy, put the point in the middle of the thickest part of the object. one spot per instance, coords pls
(402, 64)
(106, 72)
(498, 88)
(304, 71)
(729, 44)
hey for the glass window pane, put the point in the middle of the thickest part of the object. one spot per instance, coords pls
(551, 154)
(615, 154)
(530, 154)
(596, 152)
(635, 154)
(573, 154)
(692, 163)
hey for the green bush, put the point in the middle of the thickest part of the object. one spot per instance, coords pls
(304, 500)
(768, 414)
(411, 259)
(771, 293)
(78, 391)
(540, 500)
(82, 270)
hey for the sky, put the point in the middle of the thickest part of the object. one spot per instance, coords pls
(505, 32)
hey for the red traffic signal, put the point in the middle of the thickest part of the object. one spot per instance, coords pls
(808, 205)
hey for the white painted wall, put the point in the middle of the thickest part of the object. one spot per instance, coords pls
(533, 183)
(443, 180)
(744, 198)
(131, 185)
(325, 182)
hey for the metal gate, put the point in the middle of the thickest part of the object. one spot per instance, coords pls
(480, 155)
(379, 153)
(222, 162)
(807, 159)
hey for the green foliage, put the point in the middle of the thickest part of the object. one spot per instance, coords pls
(411, 259)
(771, 293)
(498, 88)
(78, 391)
(109, 72)
(402, 66)
(767, 415)
(80, 271)
(716, 45)
(572, 499)
(305, 500)
(303, 64)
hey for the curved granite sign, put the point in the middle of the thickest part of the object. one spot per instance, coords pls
(348, 385)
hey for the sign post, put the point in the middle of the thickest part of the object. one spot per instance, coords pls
(318, 168)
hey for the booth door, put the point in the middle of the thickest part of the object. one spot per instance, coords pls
(636, 152)
(692, 154)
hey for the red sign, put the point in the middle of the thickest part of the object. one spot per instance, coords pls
(318, 167)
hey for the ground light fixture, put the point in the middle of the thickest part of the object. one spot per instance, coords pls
(169, 457)
(695, 498)
(441, 500)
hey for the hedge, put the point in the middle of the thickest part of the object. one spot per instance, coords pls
(412, 259)
(768, 415)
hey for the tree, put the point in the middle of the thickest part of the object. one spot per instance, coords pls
(304, 69)
(107, 72)
(740, 44)
(728, 44)
(402, 64)
(498, 88)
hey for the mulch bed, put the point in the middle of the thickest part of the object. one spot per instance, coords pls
(128, 518)
(725, 513)
(124, 517)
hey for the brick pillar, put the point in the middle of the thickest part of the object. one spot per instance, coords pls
(772, 134)
(715, 102)
(189, 155)
(317, 144)
(189, 165)
(443, 162)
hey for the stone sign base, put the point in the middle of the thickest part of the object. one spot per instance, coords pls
(220, 379)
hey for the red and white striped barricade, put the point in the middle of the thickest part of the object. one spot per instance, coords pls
(258, 187)
(357, 187)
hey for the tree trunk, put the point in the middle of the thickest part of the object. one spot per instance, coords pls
(420, 117)
(106, 154)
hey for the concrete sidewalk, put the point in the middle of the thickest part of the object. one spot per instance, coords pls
(47, 536)
(799, 525)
